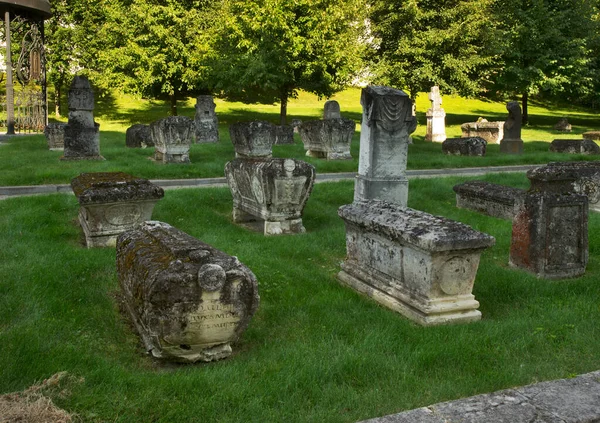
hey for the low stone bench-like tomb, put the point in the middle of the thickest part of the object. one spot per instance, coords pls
(188, 301)
(112, 203)
(328, 138)
(591, 135)
(492, 132)
(417, 264)
(584, 146)
(472, 146)
(487, 198)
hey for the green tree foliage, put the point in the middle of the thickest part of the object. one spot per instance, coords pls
(420, 43)
(266, 50)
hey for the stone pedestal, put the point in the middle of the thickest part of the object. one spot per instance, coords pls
(188, 301)
(331, 110)
(112, 203)
(82, 134)
(139, 136)
(329, 138)
(172, 137)
(512, 143)
(472, 146)
(284, 134)
(253, 139)
(549, 235)
(55, 136)
(492, 132)
(417, 264)
(387, 123)
(570, 146)
(436, 118)
(206, 121)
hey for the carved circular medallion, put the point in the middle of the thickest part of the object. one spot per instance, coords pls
(289, 165)
(455, 276)
(123, 214)
(211, 277)
(588, 187)
(257, 190)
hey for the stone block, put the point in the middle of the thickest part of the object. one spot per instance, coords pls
(571, 146)
(329, 138)
(55, 136)
(511, 142)
(591, 135)
(253, 139)
(81, 95)
(188, 301)
(472, 146)
(562, 125)
(490, 199)
(492, 132)
(284, 134)
(111, 203)
(331, 110)
(549, 235)
(206, 121)
(139, 136)
(173, 137)
(270, 192)
(417, 264)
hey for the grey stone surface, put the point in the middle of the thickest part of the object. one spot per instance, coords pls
(112, 203)
(563, 125)
(253, 139)
(511, 142)
(188, 301)
(492, 132)
(81, 133)
(417, 264)
(591, 135)
(139, 136)
(331, 110)
(436, 117)
(55, 136)
(561, 401)
(328, 138)
(387, 122)
(284, 134)
(490, 199)
(572, 146)
(472, 146)
(206, 121)
(173, 137)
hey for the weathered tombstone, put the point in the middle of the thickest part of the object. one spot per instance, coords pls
(490, 199)
(562, 125)
(55, 136)
(111, 203)
(417, 264)
(512, 143)
(172, 137)
(82, 134)
(472, 146)
(284, 134)
(296, 125)
(571, 146)
(549, 235)
(271, 192)
(206, 121)
(188, 301)
(591, 135)
(331, 110)
(436, 117)
(328, 138)
(492, 132)
(139, 136)
(387, 122)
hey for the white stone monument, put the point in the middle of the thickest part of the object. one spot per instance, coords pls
(436, 117)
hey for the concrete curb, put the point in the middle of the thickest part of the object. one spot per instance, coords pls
(23, 190)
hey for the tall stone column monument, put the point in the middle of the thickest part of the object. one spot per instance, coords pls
(387, 123)
(436, 117)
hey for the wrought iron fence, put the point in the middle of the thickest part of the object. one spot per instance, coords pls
(30, 113)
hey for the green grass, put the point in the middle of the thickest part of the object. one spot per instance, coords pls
(27, 161)
(314, 352)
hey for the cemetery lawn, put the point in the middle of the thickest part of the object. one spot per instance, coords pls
(26, 160)
(315, 351)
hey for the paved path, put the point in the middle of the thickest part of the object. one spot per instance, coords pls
(13, 191)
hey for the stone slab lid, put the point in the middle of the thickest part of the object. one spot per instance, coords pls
(488, 190)
(33, 7)
(563, 171)
(109, 187)
(418, 228)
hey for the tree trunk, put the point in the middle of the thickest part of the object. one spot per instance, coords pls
(173, 98)
(524, 99)
(283, 108)
(57, 101)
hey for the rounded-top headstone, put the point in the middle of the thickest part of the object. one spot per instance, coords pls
(253, 139)
(331, 110)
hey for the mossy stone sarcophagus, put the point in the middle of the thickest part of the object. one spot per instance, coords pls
(188, 300)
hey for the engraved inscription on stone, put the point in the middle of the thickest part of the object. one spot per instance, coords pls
(212, 322)
(122, 214)
(455, 276)
(289, 190)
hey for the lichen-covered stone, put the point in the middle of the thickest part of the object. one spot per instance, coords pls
(562, 125)
(206, 121)
(284, 134)
(173, 137)
(139, 136)
(272, 192)
(253, 139)
(436, 117)
(328, 138)
(591, 135)
(511, 142)
(549, 235)
(55, 136)
(189, 301)
(492, 132)
(331, 110)
(387, 121)
(472, 146)
(112, 203)
(572, 146)
(420, 265)
(487, 198)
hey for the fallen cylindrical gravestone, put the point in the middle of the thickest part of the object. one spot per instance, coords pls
(188, 301)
